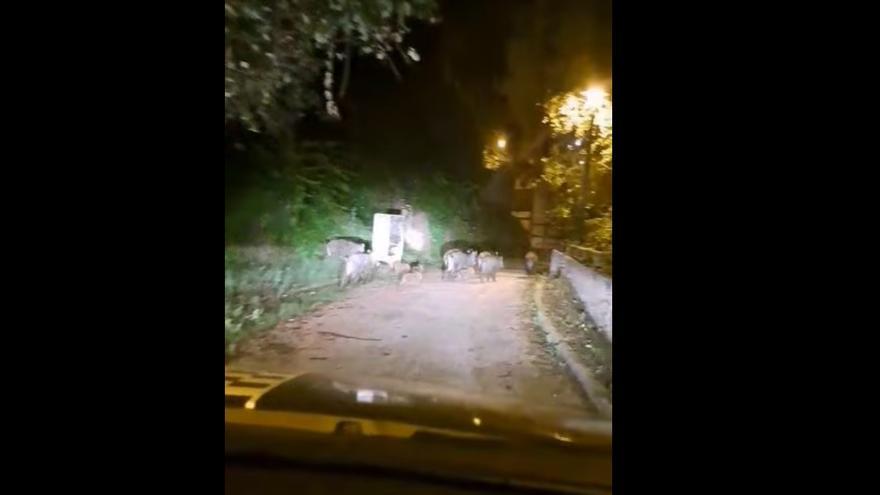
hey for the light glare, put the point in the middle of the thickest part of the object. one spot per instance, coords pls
(594, 97)
(415, 239)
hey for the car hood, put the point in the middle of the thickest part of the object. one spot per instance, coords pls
(424, 407)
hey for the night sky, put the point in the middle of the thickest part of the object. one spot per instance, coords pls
(484, 67)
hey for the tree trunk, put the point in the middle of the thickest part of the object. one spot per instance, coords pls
(580, 216)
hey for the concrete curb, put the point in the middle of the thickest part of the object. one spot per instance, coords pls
(592, 288)
(581, 373)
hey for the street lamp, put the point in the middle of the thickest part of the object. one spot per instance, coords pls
(495, 152)
(593, 97)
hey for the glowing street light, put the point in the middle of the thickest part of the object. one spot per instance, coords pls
(495, 157)
(593, 97)
(578, 110)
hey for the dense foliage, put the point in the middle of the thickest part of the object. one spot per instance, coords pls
(291, 197)
(282, 203)
(279, 51)
(299, 195)
(575, 166)
(265, 284)
(578, 165)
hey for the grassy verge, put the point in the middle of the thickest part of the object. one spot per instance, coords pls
(568, 316)
(265, 285)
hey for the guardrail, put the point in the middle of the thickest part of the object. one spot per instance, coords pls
(600, 260)
(592, 288)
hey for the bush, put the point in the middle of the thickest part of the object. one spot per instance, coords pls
(261, 286)
(450, 207)
(294, 197)
(598, 232)
(285, 203)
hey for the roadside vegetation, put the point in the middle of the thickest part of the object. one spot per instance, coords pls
(570, 318)
(289, 199)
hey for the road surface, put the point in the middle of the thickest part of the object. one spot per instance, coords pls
(469, 336)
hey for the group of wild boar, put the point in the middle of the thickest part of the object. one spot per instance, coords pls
(359, 267)
(486, 264)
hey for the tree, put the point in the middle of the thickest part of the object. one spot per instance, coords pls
(579, 163)
(555, 45)
(291, 196)
(278, 50)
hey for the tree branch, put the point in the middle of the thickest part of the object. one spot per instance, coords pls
(402, 55)
(346, 72)
(393, 68)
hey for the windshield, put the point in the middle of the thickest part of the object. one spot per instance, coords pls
(418, 210)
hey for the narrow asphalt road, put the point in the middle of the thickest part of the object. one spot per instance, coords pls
(465, 335)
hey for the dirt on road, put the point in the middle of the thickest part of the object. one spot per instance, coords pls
(465, 335)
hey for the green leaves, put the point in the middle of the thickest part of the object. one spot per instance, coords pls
(578, 165)
(293, 197)
(277, 49)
